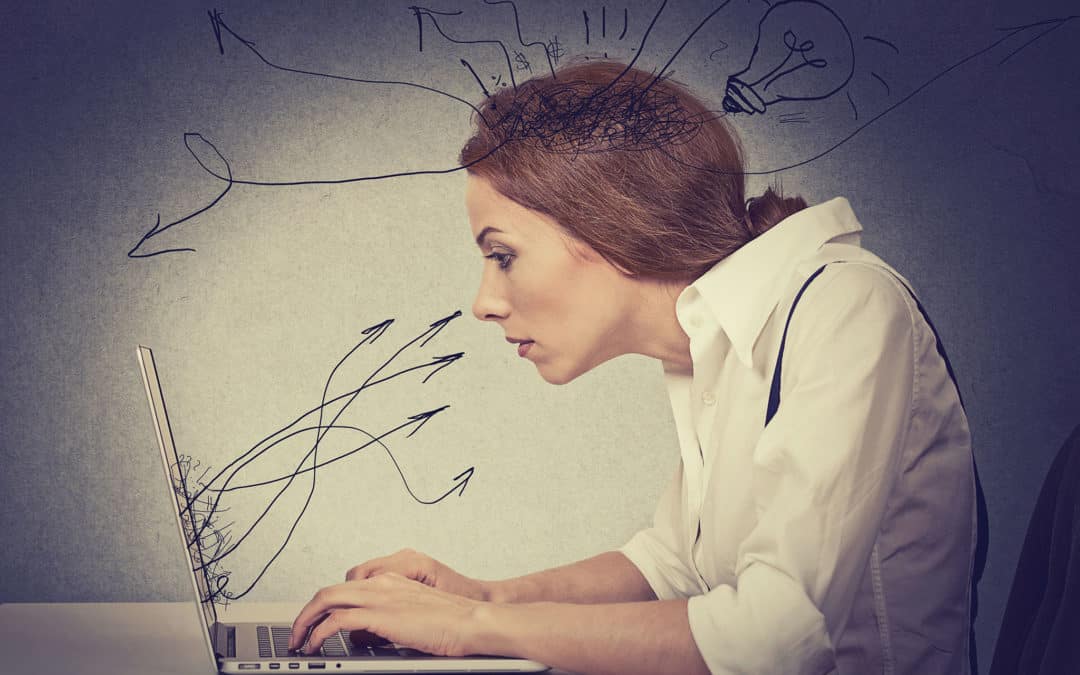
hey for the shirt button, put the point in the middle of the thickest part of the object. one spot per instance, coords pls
(708, 398)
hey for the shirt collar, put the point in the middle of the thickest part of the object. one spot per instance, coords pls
(742, 290)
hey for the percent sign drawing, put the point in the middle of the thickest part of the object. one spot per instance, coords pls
(201, 495)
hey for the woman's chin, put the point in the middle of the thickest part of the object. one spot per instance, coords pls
(555, 375)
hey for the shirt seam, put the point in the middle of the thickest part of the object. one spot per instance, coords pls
(888, 662)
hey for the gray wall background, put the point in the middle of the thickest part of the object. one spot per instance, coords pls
(969, 188)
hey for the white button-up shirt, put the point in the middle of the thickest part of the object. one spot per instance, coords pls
(841, 536)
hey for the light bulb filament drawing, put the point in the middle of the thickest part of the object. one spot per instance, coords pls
(803, 52)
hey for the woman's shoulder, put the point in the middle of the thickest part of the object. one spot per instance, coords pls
(853, 285)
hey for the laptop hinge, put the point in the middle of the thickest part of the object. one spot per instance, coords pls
(224, 640)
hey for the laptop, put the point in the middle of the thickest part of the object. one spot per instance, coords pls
(250, 647)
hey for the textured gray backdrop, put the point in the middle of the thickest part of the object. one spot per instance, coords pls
(969, 187)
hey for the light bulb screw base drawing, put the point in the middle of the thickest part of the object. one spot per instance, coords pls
(740, 97)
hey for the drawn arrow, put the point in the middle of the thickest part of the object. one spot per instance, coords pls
(375, 332)
(420, 420)
(423, 418)
(158, 229)
(459, 487)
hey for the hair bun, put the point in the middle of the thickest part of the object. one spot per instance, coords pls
(770, 208)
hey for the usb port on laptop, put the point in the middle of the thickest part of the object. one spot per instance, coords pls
(316, 666)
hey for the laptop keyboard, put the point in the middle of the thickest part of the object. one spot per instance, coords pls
(274, 642)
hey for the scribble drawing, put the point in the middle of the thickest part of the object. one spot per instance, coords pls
(201, 491)
(803, 52)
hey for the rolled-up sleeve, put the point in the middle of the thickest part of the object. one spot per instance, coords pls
(822, 472)
(657, 551)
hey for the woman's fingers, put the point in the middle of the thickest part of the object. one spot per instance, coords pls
(341, 596)
(392, 607)
(337, 620)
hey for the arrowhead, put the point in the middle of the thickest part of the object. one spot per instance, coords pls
(376, 331)
(439, 325)
(445, 361)
(449, 358)
(423, 418)
(153, 232)
(468, 473)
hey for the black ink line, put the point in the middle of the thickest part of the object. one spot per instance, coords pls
(853, 108)
(888, 92)
(1058, 23)
(586, 15)
(506, 54)
(299, 71)
(419, 28)
(517, 26)
(722, 47)
(477, 77)
(884, 42)
(624, 24)
(637, 54)
(799, 117)
(686, 41)
(158, 229)
(603, 21)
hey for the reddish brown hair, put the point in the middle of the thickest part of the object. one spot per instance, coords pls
(636, 167)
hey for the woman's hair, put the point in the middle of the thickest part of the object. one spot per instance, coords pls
(636, 167)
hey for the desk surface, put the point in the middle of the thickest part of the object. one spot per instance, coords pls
(127, 638)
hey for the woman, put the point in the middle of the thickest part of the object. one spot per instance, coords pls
(840, 535)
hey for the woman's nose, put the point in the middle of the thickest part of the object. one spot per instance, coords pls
(489, 304)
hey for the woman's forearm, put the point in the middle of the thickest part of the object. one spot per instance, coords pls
(608, 577)
(649, 638)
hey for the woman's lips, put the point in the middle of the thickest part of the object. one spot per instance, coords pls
(522, 345)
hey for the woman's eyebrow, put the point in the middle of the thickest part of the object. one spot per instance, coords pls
(484, 233)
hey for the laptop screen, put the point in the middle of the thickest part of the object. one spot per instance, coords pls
(187, 517)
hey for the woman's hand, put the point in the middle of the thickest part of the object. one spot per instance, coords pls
(425, 569)
(393, 607)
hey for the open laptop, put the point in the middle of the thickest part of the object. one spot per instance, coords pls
(248, 647)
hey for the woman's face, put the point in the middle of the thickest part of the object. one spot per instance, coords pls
(567, 306)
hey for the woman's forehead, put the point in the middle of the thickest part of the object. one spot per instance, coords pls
(489, 211)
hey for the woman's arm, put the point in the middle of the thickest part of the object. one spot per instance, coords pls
(625, 638)
(649, 638)
(608, 577)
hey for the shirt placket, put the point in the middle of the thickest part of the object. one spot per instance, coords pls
(702, 398)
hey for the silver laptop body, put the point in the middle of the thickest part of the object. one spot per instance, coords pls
(262, 646)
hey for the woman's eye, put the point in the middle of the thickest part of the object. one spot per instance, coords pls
(503, 259)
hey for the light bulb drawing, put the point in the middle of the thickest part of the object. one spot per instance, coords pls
(803, 52)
